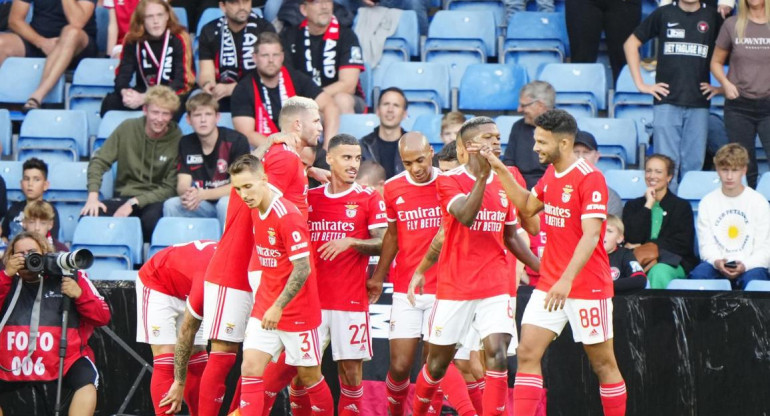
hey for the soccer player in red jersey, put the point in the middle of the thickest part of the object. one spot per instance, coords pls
(575, 284)
(347, 222)
(162, 288)
(474, 270)
(287, 311)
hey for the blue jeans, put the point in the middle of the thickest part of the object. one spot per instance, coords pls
(419, 6)
(670, 122)
(707, 271)
(515, 6)
(173, 208)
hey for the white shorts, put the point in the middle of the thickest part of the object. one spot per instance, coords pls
(348, 333)
(452, 320)
(590, 319)
(473, 341)
(225, 312)
(407, 321)
(159, 316)
(302, 348)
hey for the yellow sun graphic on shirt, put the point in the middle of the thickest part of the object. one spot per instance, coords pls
(733, 232)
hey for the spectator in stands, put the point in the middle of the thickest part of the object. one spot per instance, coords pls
(39, 218)
(682, 88)
(119, 24)
(381, 145)
(586, 19)
(156, 51)
(226, 48)
(88, 311)
(371, 174)
(34, 183)
(733, 225)
(626, 271)
(586, 147)
(747, 85)
(258, 98)
(329, 53)
(203, 184)
(146, 150)
(62, 31)
(447, 157)
(535, 98)
(450, 126)
(659, 226)
(419, 6)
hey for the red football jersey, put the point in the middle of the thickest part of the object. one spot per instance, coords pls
(415, 209)
(569, 197)
(280, 236)
(229, 266)
(173, 269)
(335, 216)
(474, 262)
(286, 172)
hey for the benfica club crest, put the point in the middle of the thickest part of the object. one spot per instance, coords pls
(271, 235)
(351, 210)
(229, 328)
(503, 199)
(566, 193)
(156, 331)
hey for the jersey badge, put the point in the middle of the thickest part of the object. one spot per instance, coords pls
(351, 210)
(221, 166)
(156, 331)
(615, 273)
(503, 199)
(271, 235)
(703, 27)
(437, 331)
(230, 328)
(566, 193)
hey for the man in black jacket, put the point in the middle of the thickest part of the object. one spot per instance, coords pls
(381, 145)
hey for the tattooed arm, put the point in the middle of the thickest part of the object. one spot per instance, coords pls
(182, 351)
(296, 280)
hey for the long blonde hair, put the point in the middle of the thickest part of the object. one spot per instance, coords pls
(743, 17)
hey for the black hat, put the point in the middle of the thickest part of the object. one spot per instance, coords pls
(586, 139)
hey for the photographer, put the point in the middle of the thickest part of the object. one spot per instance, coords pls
(32, 304)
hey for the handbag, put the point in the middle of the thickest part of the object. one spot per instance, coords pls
(647, 255)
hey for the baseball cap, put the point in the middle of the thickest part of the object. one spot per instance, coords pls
(586, 139)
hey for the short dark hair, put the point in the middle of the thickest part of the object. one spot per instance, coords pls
(342, 139)
(35, 163)
(558, 122)
(472, 125)
(448, 153)
(267, 38)
(397, 90)
(670, 164)
(371, 170)
(247, 162)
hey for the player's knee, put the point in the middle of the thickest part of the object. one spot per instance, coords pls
(497, 359)
(604, 365)
(527, 354)
(400, 366)
(249, 368)
(309, 376)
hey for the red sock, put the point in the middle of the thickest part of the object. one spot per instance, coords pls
(396, 394)
(252, 396)
(495, 392)
(613, 398)
(424, 391)
(162, 378)
(437, 402)
(195, 369)
(299, 400)
(277, 376)
(527, 393)
(456, 391)
(235, 403)
(321, 399)
(350, 400)
(217, 369)
(475, 392)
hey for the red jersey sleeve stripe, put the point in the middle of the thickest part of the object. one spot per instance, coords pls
(195, 314)
(595, 215)
(374, 226)
(299, 256)
(361, 67)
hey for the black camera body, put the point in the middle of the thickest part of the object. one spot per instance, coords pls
(59, 264)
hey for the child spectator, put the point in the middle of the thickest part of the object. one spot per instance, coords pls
(34, 183)
(627, 273)
(450, 126)
(39, 218)
(446, 159)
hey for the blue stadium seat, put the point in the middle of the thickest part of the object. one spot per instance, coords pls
(93, 79)
(11, 172)
(617, 139)
(111, 120)
(628, 102)
(491, 87)
(758, 286)
(57, 133)
(20, 77)
(580, 88)
(699, 284)
(358, 125)
(129, 275)
(104, 267)
(405, 42)
(69, 215)
(175, 230)
(6, 133)
(69, 182)
(102, 16)
(111, 238)
(366, 80)
(496, 7)
(535, 39)
(225, 120)
(763, 186)
(629, 184)
(425, 84)
(181, 16)
(504, 126)
(696, 184)
(211, 13)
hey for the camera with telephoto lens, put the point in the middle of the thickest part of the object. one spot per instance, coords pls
(59, 263)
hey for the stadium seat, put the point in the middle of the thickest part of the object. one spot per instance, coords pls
(111, 238)
(11, 172)
(20, 77)
(405, 42)
(69, 181)
(111, 120)
(181, 16)
(93, 79)
(496, 7)
(628, 102)
(629, 184)
(6, 132)
(491, 87)
(699, 284)
(366, 80)
(358, 125)
(104, 267)
(535, 39)
(758, 286)
(763, 186)
(425, 84)
(225, 120)
(504, 126)
(580, 88)
(129, 275)
(56, 133)
(211, 13)
(430, 126)
(175, 230)
(617, 140)
(69, 215)
(696, 184)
